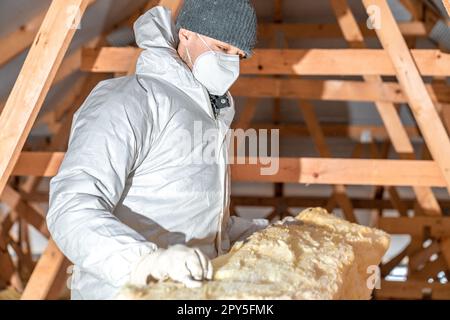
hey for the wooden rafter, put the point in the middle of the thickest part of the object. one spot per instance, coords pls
(388, 112)
(331, 30)
(330, 90)
(292, 170)
(412, 84)
(292, 61)
(34, 81)
(72, 63)
(447, 6)
(412, 290)
(422, 107)
(48, 276)
(17, 41)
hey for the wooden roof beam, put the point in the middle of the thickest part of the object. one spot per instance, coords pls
(410, 79)
(329, 90)
(387, 110)
(338, 62)
(35, 78)
(447, 6)
(332, 30)
(292, 170)
(17, 41)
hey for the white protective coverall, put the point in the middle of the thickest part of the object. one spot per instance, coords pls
(126, 186)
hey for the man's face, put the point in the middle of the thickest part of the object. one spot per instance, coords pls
(196, 47)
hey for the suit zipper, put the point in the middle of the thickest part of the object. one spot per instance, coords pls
(222, 168)
(223, 191)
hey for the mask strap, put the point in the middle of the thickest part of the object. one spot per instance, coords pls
(189, 56)
(203, 40)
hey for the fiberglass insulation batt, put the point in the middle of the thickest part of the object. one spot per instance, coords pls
(319, 256)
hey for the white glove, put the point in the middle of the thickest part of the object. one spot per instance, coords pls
(239, 229)
(179, 263)
(288, 220)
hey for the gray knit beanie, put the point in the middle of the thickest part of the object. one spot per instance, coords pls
(230, 21)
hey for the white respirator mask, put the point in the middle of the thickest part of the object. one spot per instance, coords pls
(217, 71)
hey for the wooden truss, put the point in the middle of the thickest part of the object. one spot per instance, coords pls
(274, 73)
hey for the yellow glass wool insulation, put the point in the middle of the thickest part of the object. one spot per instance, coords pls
(319, 256)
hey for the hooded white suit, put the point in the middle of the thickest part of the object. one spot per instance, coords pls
(127, 185)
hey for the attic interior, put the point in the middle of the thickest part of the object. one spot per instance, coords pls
(358, 91)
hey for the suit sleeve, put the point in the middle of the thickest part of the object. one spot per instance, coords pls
(102, 153)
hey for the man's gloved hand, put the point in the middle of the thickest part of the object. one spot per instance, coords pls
(179, 263)
(286, 221)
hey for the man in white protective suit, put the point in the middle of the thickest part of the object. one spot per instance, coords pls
(143, 191)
